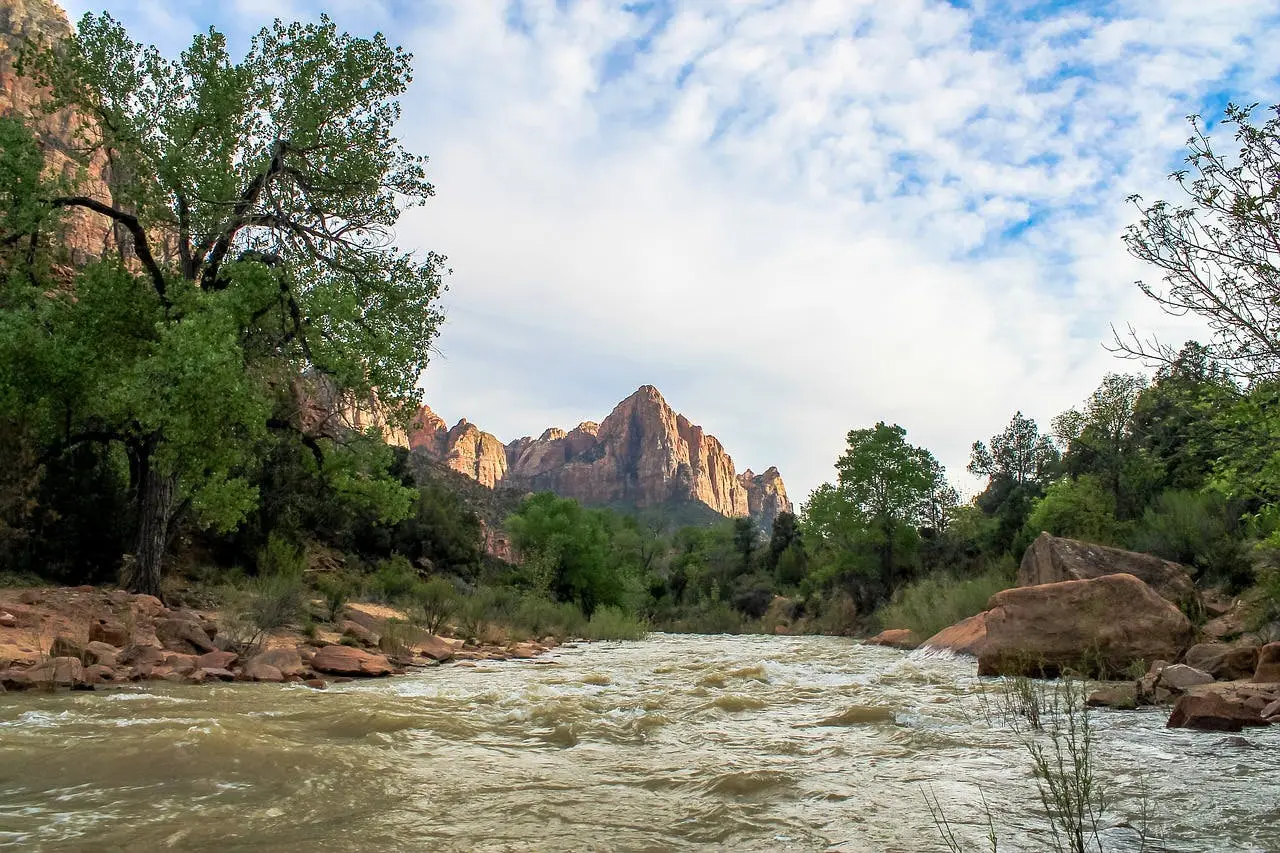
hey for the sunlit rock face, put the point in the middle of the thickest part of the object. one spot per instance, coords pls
(643, 455)
(82, 235)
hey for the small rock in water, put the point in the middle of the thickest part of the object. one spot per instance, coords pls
(1235, 741)
(856, 715)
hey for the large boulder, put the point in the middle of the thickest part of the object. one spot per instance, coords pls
(287, 661)
(1268, 671)
(344, 660)
(183, 635)
(966, 637)
(1098, 627)
(1053, 559)
(1213, 712)
(1223, 662)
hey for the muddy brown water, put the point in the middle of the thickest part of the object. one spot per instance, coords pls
(674, 743)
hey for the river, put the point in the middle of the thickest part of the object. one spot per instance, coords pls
(674, 743)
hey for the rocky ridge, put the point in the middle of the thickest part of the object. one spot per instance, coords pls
(643, 455)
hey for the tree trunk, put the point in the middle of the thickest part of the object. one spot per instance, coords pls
(157, 495)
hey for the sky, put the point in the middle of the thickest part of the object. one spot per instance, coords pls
(794, 217)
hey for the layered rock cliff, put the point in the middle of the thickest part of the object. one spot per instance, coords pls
(643, 455)
(27, 24)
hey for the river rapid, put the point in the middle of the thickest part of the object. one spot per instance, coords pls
(674, 743)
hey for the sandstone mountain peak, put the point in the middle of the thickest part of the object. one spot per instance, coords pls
(643, 455)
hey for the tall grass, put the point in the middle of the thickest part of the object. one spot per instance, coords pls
(930, 604)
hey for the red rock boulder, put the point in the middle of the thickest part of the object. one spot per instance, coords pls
(895, 638)
(1098, 628)
(1268, 670)
(1053, 559)
(344, 660)
(966, 637)
(1223, 662)
(1212, 712)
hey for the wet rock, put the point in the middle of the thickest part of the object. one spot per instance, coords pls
(858, 715)
(1053, 559)
(1121, 697)
(217, 660)
(966, 637)
(344, 660)
(1179, 677)
(437, 648)
(109, 632)
(218, 673)
(1096, 627)
(1268, 671)
(256, 670)
(136, 655)
(1236, 741)
(1223, 662)
(1212, 712)
(182, 635)
(56, 672)
(287, 661)
(316, 683)
(525, 651)
(181, 663)
(99, 674)
(99, 653)
(896, 638)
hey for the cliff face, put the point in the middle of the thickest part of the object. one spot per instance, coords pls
(465, 448)
(644, 454)
(84, 235)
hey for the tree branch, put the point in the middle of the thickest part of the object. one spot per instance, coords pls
(141, 246)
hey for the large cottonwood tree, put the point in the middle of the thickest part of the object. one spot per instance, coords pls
(255, 202)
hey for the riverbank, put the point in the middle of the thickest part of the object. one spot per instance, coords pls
(90, 638)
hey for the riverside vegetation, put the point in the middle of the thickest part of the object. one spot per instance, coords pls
(159, 401)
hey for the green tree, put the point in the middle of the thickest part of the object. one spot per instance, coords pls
(1099, 438)
(864, 527)
(1081, 508)
(256, 201)
(1020, 454)
(574, 544)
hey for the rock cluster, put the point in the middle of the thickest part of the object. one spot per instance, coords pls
(644, 454)
(86, 638)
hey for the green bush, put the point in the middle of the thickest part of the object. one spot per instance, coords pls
(1194, 528)
(436, 601)
(336, 592)
(539, 617)
(1080, 508)
(936, 602)
(281, 557)
(611, 623)
(394, 581)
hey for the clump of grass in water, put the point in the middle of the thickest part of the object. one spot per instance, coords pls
(1053, 723)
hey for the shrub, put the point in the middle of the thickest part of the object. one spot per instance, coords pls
(611, 623)
(1194, 528)
(394, 580)
(538, 617)
(281, 557)
(936, 602)
(1080, 508)
(336, 592)
(436, 600)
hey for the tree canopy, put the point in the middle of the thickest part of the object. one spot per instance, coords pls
(255, 203)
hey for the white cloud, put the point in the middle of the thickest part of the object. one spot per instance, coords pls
(795, 218)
